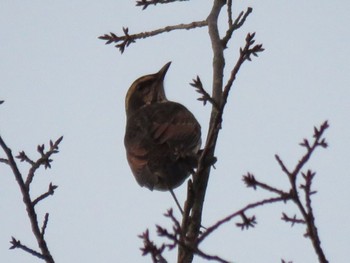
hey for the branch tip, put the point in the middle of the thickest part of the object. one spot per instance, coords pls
(146, 3)
(197, 84)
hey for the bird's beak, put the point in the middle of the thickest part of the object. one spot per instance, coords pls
(162, 72)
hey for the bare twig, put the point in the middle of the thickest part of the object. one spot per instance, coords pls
(43, 228)
(175, 237)
(229, 12)
(319, 141)
(250, 181)
(294, 220)
(307, 211)
(239, 213)
(236, 25)
(3, 160)
(25, 190)
(126, 39)
(283, 167)
(146, 3)
(17, 244)
(150, 248)
(197, 84)
(43, 160)
(247, 222)
(24, 158)
(210, 257)
(245, 54)
(49, 192)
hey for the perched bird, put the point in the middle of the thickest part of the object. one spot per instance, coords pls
(162, 138)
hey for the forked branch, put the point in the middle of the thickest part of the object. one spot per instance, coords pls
(45, 161)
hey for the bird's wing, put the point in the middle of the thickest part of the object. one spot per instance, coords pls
(172, 123)
(157, 133)
(137, 153)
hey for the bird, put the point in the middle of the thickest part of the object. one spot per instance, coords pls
(162, 138)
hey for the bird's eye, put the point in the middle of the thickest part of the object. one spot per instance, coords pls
(144, 86)
(140, 87)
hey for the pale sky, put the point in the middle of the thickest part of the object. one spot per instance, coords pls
(58, 79)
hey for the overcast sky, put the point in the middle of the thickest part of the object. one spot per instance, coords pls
(57, 78)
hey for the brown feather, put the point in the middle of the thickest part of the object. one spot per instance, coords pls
(162, 138)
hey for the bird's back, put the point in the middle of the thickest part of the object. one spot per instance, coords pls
(162, 140)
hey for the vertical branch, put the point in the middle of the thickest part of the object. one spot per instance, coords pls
(229, 12)
(201, 177)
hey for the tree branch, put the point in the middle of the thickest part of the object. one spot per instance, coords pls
(229, 12)
(236, 25)
(250, 181)
(17, 244)
(200, 179)
(150, 248)
(43, 228)
(146, 3)
(245, 54)
(197, 84)
(49, 192)
(43, 160)
(177, 240)
(238, 213)
(126, 39)
(306, 212)
(30, 205)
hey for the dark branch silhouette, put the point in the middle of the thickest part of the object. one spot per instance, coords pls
(294, 194)
(146, 3)
(236, 25)
(24, 185)
(197, 84)
(127, 39)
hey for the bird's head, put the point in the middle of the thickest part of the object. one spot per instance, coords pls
(145, 90)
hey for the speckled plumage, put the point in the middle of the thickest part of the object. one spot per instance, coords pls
(162, 137)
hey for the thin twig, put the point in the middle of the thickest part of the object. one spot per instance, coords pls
(150, 248)
(146, 3)
(283, 167)
(126, 39)
(293, 220)
(45, 253)
(251, 181)
(317, 142)
(197, 84)
(229, 12)
(245, 54)
(210, 257)
(17, 244)
(49, 192)
(236, 25)
(175, 237)
(3, 160)
(43, 228)
(307, 212)
(238, 213)
(24, 158)
(43, 160)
